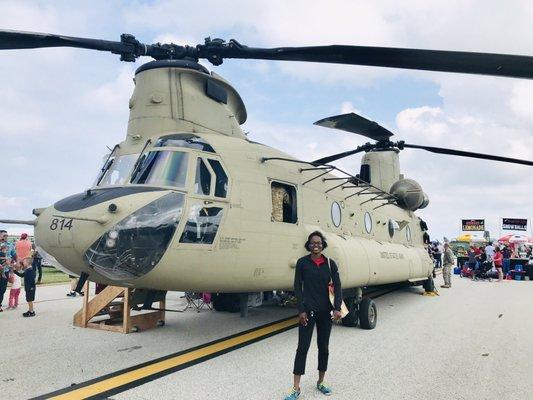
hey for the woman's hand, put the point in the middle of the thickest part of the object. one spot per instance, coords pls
(303, 319)
(337, 316)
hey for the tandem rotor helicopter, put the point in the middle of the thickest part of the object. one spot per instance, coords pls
(187, 202)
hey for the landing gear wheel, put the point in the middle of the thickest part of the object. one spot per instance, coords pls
(429, 285)
(368, 314)
(352, 319)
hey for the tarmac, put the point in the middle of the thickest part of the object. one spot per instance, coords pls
(474, 341)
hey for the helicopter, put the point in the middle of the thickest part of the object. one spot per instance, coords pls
(188, 202)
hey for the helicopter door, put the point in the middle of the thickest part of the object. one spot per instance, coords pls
(286, 244)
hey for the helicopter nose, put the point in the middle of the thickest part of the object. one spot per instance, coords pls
(133, 246)
(120, 239)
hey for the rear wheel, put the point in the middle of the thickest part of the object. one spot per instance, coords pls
(352, 318)
(429, 285)
(368, 314)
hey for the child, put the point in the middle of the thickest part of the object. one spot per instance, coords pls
(29, 285)
(15, 290)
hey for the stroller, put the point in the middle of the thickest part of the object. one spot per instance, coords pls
(483, 272)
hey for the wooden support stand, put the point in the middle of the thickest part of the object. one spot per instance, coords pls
(111, 309)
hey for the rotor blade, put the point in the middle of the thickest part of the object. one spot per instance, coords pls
(328, 159)
(10, 40)
(129, 48)
(461, 153)
(431, 60)
(354, 123)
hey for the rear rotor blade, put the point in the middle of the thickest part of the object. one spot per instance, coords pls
(354, 123)
(334, 157)
(431, 60)
(461, 153)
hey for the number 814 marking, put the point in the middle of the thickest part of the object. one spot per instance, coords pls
(61, 223)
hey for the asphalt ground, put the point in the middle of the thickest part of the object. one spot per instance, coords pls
(471, 342)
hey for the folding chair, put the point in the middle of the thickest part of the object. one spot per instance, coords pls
(198, 301)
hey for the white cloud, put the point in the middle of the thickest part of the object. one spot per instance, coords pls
(348, 107)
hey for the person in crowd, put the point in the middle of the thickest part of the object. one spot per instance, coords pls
(447, 266)
(73, 284)
(481, 259)
(23, 247)
(489, 251)
(471, 258)
(498, 261)
(506, 253)
(437, 255)
(14, 292)
(5, 268)
(37, 264)
(311, 288)
(29, 284)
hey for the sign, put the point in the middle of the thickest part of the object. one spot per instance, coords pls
(473, 225)
(514, 224)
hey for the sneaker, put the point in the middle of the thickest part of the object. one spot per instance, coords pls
(29, 314)
(324, 389)
(293, 395)
(71, 294)
(445, 286)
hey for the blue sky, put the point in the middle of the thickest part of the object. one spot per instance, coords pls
(60, 108)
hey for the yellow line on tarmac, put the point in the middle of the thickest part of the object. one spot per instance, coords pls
(161, 366)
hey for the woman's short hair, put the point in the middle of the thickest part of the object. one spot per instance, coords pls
(320, 235)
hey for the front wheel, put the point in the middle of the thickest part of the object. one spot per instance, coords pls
(368, 314)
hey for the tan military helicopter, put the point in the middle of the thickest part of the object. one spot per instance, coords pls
(187, 202)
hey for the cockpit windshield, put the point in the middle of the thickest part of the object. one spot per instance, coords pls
(162, 168)
(187, 140)
(116, 170)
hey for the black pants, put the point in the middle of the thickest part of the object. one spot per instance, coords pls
(305, 334)
(3, 287)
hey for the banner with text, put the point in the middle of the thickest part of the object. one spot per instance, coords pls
(514, 224)
(473, 224)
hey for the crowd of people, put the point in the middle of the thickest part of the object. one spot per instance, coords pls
(495, 256)
(19, 262)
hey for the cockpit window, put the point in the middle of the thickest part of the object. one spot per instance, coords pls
(202, 181)
(221, 179)
(186, 140)
(116, 170)
(162, 168)
(202, 225)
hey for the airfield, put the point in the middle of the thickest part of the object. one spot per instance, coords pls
(471, 342)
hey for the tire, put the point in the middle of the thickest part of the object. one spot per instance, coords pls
(352, 319)
(226, 302)
(368, 314)
(429, 285)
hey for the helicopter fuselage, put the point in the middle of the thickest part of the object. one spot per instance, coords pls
(187, 202)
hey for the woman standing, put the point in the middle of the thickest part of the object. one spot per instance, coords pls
(498, 263)
(311, 287)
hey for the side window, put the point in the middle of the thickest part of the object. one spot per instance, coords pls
(202, 180)
(202, 225)
(284, 203)
(221, 179)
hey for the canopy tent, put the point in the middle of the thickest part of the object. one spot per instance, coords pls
(511, 238)
(467, 237)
